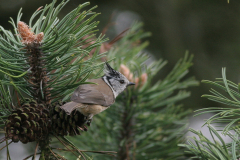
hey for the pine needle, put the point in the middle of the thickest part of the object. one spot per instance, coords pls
(6, 145)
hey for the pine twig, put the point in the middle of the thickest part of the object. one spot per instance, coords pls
(3, 139)
(30, 156)
(19, 104)
(36, 150)
(62, 158)
(118, 37)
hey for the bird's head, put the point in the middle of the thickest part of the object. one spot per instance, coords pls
(117, 81)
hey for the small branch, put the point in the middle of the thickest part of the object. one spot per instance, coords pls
(101, 152)
(77, 150)
(54, 154)
(8, 154)
(3, 139)
(35, 151)
(19, 104)
(60, 156)
(65, 145)
(127, 131)
(118, 37)
(30, 156)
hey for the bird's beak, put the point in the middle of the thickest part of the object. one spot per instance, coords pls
(131, 83)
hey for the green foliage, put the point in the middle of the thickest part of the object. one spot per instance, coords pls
(146, 121)
(214, 148)
(62, 44)
(227, 119)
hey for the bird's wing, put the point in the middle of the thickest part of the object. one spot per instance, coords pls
(99, 93)
(89, 96)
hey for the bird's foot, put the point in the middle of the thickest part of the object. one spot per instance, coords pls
(89, 122)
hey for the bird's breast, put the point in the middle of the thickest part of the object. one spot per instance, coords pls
(88, 109)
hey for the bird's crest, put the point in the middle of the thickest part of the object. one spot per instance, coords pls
(110, 71)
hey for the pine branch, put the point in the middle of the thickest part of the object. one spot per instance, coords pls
(214, 148)
(226, 118)
(226, 115)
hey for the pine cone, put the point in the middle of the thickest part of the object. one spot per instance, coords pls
(28, 123)
(64, 124)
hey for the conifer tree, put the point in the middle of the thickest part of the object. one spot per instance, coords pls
(41, 63)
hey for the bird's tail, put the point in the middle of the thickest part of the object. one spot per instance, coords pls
(70, 107)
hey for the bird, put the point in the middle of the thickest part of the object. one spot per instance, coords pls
(91, 99)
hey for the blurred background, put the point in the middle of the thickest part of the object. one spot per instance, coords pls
(208, 29)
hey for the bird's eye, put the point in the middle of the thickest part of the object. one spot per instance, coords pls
(121, 81)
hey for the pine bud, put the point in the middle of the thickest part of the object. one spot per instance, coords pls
(28, 37)
(139, 81)
(143, 79)
(39, 37)
(126, 72)
(25, 32)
